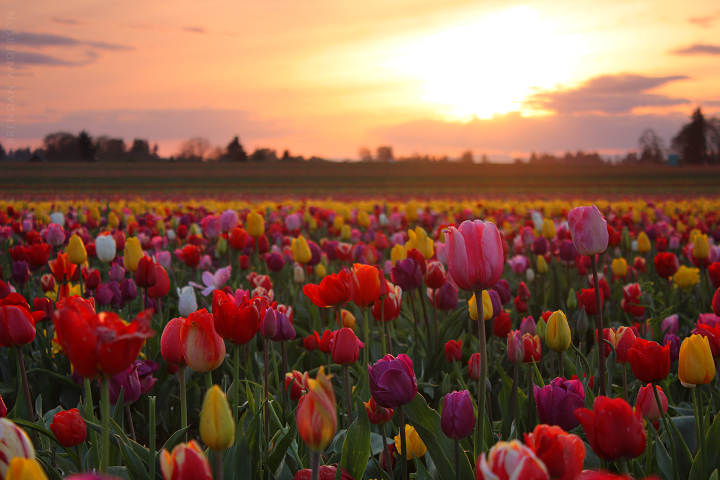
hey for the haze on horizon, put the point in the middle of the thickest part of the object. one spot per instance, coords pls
(327, 77)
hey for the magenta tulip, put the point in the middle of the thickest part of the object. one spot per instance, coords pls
(588, 230)
(475, 255)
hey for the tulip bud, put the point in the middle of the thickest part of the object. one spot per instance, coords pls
(701, 248)
(133, 253)
(458, 418)
(298, 273)
(646, 403)
(557, 334)
(217, 428)
(474, 367)
(529, 274)
(105, 248)
(582, 323)
(487, 307)
(414, 445)
(186, 461)
(540, 328)
(69, 428)
(625, 240)
(696, 365)
(542, 266)
(316, 417)
(221, 245)
(268, 325)
(348, 319)
(76, 250)
(515, 348)
(453, 351)
(301, 250)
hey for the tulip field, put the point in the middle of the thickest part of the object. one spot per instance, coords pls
(393, 338)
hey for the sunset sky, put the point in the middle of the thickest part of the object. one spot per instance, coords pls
(326, 77)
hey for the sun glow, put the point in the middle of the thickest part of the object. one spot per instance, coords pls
(492, 66)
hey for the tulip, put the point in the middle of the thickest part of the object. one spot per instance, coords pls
(37, 254)
(527, 325)
(397, 253)
(487, 307)
(701, 248)
(619, 267)
(557, 401)
(296, 382)
(624, 341)
(190, 255)
(643, 243)
(647, 404)
(301, 250)
(162, 283)
(76, 250)
(187, 302)
(435, 275)
(325, 472)
(55, 235)
(457, 418)
(542, 266)
(316, 418)
(474, 367)
(25, 469)
(407, 275)
(69, 428)
(14, 443)
(502, 324)
(378, 415)
(413, 441)
(588, 230)
(649, 361)
(145, 275)
(275, 262)
(235, 323)
(364, 285)
(392, 381)
(532, 346)
(475, 255)
(17, 324)
(255, 225)
(62, 268)
(612, 429)
(631, 300)
(217, 428)
(345, 347)
(446, 297)
(203, 349)
(129, 381)
(391, 305)
(116, 274)
(666, 264)
(686, 278)
(105, 248)
(587, 299)
(557, 333)
(333, 290)
(562, 453)
(696, 365)
(453, 351)
(186, 462)
(510, 460)
(132, 254)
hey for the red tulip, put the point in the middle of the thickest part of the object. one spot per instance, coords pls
(324, 343)
(190, 255)
(345, 347)
(326, 472)
(453, 350)
(186, 462)
(378, 415)
(310, 343)
(235, 323)
(145, 275)
(474, 366)
(631, 300)
(435, 275)
(37, 254)
(299, 384)
(238, 238)
(562, 453)
(62, 268)
(649, 361)
(203, 349)
(99, 344)
(162, 283)
(586, 298)
(364, 285)
(69, 428)
(392, 304)
(666, 264)
(17, 324)
(170, 344)
(502, 325)
(613, 431)
(333, 290)
(647, 405)
(533, 348)
(624, 341)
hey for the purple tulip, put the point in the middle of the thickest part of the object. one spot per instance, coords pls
(557, 402)
(447, 297)
(674, 342)
(20, 272)
(407, 275)
(457, 419)
(284, 330)
(503, 289)
(275, 262)
(540, 246)
(145, 370)
(315, 254)
(392, 381)
(55, 235)
(568, 253)
(130, 383)
(117, 273)
(103, 295)
(496, 305)
(128, 290)
(528, 325)
(670, 324)
(117, 298)
(330, 251)
(268, 325)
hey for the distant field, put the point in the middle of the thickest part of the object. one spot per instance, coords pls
(350, 179)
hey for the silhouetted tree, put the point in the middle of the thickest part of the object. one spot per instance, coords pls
(61, 146)
(467, 157)
(286, 155)
(2, 152)
(194, 149)
(110, 148)
(263, 155)
(235, 151)
(384, 153)
(86, 146)
(691, 142)
(651, 147)
(713, 140)
(365, 155)
(140, 148)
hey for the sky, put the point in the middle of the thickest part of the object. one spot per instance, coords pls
(327, 77)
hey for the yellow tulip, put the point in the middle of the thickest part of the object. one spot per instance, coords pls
(217, 428)
(542, 266)
(221, 245)
(540, 328)
(25, 469)
(619, 267)
(320, 270)
(696, 365)
(419, 240)
(548, 229)
(701, 248)
(348, 319)
(487, 307)
(363, 220)
(76, 250)
(397, 253)
(338, 222)
(255, 225)
(301, 250)
(643, 243)
(411, 211)
(160, 227)
(686, 277)
(312, 224)
(414, 443)
(133, 253)
(557, 332)
(345, 232)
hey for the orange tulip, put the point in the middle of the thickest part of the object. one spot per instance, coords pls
(364, 285)
(316, 416)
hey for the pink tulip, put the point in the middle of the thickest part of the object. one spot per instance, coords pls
(515, 347)
(588, 230)
(474, 255)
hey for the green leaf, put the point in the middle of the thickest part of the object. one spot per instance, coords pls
(281, 449)
(356, 447)
(440, 448)
(422, 473)
(663, 459)
(176, 438)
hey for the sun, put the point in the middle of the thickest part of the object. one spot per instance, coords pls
(491, 66)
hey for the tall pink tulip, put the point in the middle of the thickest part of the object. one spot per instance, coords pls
(590, 236)
(475, 261)
(588, 230)
(475, 257)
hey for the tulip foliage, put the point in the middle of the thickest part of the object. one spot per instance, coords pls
(207, 339)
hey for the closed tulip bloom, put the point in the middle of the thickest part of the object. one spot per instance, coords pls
(557, 333)
(557, 401)
(532, 346)
(631, 300)
(69, 428)
(203, 349)
(76, 250)
(255, 225)
(316, 417)
(170, 343)
(129, 381)
(392, 381)
(25, 469)
(37, 254)
(588, 230)
(474, 367)
(378, 415)
(643, 243)
(612, 429)
(162, 283)
(187, 301)
(364, 285)
(345, 347)
(510, 460)
(268, 324)
(55, 235)
(301, 250)
(217, 428)
(458, 418)
(397, 253)
(453, 350)
(17, 324)
(105, 248)
(407, 275)
(435, 275)
(515, 347)
(619, 267)
(586, 298)
(502, 324)
(562, 453)
(14, 443)
(99, 344)
(646, 403)
(324, 343)
(649, 361)
(391, 305)
(542, 266)
(624, 341)
(132, 254)
(325, 472)
(145, 275)
(475, 255)
(666, 264)
(528, 326)
(548, 229)
(701, 248)
(696, 366)
(414, 443)
(186, 462)
(447, 297)
(419, 240)
(487, 307)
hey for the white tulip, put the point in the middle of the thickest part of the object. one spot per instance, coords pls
(105, 247)
(188, 301)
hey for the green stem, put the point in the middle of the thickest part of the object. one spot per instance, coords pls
(105, 412)
(388, 460)
(236, 381)
(561, 367)
(382, 326)
(151, 436)
(648, 449)
(183, 397)
(366, 352)
(26, 386)
(666, 422)
(218, 465)
(599, 321)
(348, 396)
(208, 380)
(315, 465)
(700, 429)
(531, 399)
(622, 466)
(480, 434)
(513, 399)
